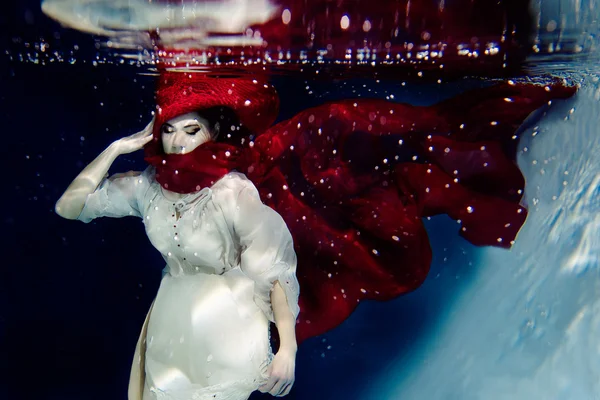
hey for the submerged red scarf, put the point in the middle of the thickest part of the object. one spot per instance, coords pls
(353, 179)
(188, 173)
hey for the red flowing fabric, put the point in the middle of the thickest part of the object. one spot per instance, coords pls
(353, 180)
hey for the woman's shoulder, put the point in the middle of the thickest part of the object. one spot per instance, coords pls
(135, 184)
(227, 190)
(233, 181)
(149, 174)
(145, 176)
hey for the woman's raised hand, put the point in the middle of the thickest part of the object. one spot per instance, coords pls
(137, 141)
(73, 199)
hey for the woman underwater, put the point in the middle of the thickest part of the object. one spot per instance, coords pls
(344, 185)
(230, 267)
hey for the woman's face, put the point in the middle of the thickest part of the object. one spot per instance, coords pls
(183, 134)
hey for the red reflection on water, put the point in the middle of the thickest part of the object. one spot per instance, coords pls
(421, 39)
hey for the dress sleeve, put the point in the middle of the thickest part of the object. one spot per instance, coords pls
(267, 253)
(116, 197)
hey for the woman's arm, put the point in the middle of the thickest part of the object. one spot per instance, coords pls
(268, 258)
(282, 370)
(73, 199)
(284, 320)
(71, 203)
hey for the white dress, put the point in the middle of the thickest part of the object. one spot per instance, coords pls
(208, 333)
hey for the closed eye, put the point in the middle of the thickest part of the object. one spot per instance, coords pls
(166, 128)
(192, 131)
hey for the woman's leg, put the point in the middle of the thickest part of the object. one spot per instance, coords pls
(137, 376)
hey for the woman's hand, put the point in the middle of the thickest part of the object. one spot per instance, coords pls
(136, 141)
(281, 373)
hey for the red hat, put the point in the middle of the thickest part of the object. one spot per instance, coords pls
(254, 101)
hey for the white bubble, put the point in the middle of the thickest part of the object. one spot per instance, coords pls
(345, 22)
(286, 16)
